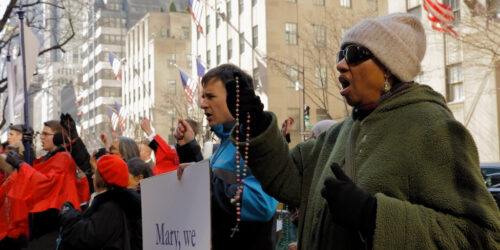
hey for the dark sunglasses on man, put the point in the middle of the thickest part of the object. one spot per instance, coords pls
(354, 54)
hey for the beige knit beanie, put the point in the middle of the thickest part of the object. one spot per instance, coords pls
(397, 41)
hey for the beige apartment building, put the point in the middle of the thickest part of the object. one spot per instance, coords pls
(157, 46)
(466, 69)
(288, 46)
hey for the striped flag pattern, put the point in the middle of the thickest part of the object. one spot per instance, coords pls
(116, 65)
(201, 72)
(114, 118)
(122, 116)
(441, 16)
(196, 9)
(189, 86)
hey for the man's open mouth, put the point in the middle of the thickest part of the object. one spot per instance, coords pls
(344, 82)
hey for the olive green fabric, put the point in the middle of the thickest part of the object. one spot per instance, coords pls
(419, 162)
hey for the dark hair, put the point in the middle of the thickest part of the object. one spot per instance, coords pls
(136, 167)
(54, 125)
(17, 127)
(128, 148)
(226, 73)
(194, 125)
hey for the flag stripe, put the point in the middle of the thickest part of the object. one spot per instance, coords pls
(189, 86)
(196, 9)
(440, 16)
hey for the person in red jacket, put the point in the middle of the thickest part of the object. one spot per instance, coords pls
(166, 157)
(42, 189)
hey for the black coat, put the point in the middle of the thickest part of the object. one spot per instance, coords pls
(102, 225)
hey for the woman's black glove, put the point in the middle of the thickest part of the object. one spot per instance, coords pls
(248, 103)
(14, 159)
(351, 207)
(69, 125)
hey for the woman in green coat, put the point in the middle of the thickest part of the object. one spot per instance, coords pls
(399, 173)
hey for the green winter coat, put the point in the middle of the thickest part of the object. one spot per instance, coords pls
(411, 154)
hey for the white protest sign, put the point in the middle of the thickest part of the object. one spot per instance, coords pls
(176, 214)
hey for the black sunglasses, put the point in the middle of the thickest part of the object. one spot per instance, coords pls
(354, 55)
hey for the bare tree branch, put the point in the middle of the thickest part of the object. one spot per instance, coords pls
(7, 13)
(40, 2)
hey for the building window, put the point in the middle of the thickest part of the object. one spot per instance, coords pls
(256, 78)
(171, 60)
(295, 114)
(209, 62)
(345, 3)
(319, 2)
(454, 82)
(241, 6)
(185, 32)
(165, 33)
(229, 13)
(292, 75)
(149, 61)
(291, 1)
(291, 33)
(229, 49)
(218, 54)
(254, 2)
(455, 5)
(320, 34)
(414, 7)
(255, 36)
(242, 42)
(217, 20)
(321, 77)
(371, 5)
(207, 24)
(171, 86)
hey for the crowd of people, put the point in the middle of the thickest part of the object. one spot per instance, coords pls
(399, 173)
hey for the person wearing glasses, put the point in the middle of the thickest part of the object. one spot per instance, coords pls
(38, 192)
(399, 173)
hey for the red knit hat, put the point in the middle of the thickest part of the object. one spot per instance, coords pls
(114, 170)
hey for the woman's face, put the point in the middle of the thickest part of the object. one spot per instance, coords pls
(144, 151)
(133, 181)
(362, 83)
(46, 138)
(114, 149)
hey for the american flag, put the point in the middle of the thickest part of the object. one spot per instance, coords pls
(189, 86)
(116, 65)
(196, 9)
(114, 118)
(122, 116)
(441, 16)
(201, 72)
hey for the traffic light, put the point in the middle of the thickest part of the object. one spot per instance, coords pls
(307, 123)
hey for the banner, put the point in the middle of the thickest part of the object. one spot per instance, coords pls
(176, 213)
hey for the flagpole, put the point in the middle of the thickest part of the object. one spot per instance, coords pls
(27, 146)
